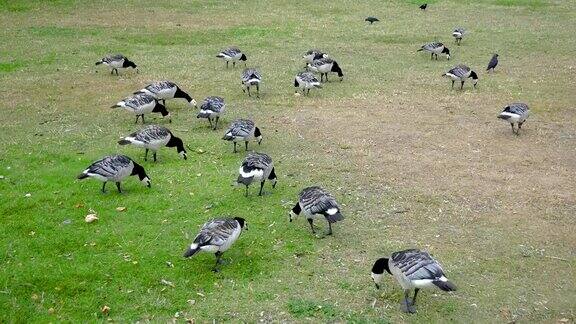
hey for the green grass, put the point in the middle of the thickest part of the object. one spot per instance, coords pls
(413, 163)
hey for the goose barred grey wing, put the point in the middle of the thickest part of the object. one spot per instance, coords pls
(517, 108)
(113, 58)
(249, 74)
(110, 166)
(307, 77)
(460, 71)
(138, 100)
(216, 232)
(232, 51)
(417, 265)
(257, 161)
(214, 104)
(160, 85)
(151, 133)
(240, 128)
(316, 200)
(432, 46)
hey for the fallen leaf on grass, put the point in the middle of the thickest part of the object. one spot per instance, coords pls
(90, 218)
(105, 310)
(120, 209)
(167, 283)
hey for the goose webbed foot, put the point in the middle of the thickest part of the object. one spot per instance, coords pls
(407, 307)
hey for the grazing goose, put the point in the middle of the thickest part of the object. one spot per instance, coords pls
(217, 236)
(163, 90)
(435, 49)
(153, 137)
(211, 108)
(251, 77)
(313, 54)
(233, 54)
(141, 104)
(423, 6)
(306, 81)
(115, 168)
(458, 33)
(243, 130)
(515, 113)
(315, 202)
(257, 167)
(117, 61)
(325, 65)
(461, 73)
(371, 19)
(413, 269)
(493, 63)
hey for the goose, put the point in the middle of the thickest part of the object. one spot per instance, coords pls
(153, 137)
(423, 6)
(217, 236)
(314, 203)
(493, 63)
(461, 73)
(243, 130)
(251, 77)
(306, 81)
(325, 65)
(257, 167)
(233, 54)
(211, 108)
(115, 168)
(515, 113)
(412, 269)
(314, 54)
(163, 90)
(371, 20)
(117, 61)
(458, 33)
(141, 104)
(434, 49)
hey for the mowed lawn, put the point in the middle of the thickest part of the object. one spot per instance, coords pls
(412, 162)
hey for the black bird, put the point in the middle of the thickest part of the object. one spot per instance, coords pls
(371, 19)
(424, 6)
(413, 269)
(493, 63)
(115, 168)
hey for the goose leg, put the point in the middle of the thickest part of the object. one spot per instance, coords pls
(234, 147)
(154, 156)
(210, 121)
(406, 305)
(513, 130)
(461, 85)
(227, 64)
(248, 88)
(234, 64)
(218, 261)
(104, 187)
(326, 74)
(431, 56)
(257, 90)
(246, 193)
(311, 222)
(452, 84)
(137, 116)
(118, 186)
(246, 143)
(146, 155)
(216, 125)
(415, 294)
(143, 122)
(329, 228)
(261, 187)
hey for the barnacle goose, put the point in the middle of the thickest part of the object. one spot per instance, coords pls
(371, 19)
(306, 81)
(458, 33)
(211, 108)
(461, 73)
(257, 167)
(117, 61)
(314, 54)
(314, 203)
(434, 49)
(233, 54)
(325, 65)
(243, 130)
(413, 269)
(115, 168)
(493, 63)
(153, 137)
(217, 236)
(251, 77)
(141, 104)
(515, 113)
(162, 90)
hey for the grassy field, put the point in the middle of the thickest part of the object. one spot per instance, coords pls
(413, 163)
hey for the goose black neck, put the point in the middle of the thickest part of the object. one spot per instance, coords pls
(336, 68)
(297, 210)
(240, 221)
(380, 266)
(139, 171)
(181, 94)
(176, 142)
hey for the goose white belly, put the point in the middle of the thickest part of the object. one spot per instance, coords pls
(141, 110)
(231, 240)
(115, 64)
(304, 84)
(436, 50)
(325, 68)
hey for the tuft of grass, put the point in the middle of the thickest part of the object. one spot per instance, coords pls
(307, 308)
(533, 4)
(11, 66)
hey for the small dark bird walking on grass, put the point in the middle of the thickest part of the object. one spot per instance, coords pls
(371, 20)
(424, 6)
(493, 63)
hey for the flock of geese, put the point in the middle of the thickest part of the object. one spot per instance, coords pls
(413, 269)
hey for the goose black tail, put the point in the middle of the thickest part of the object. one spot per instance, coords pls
(82, 176)
(444, 285)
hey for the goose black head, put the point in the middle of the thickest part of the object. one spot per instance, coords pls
(181, 94)
(296, 84)
(447, 52)
(296, 210)
(243, 57)
(378, 270)
(177, 142)
(242, 222)
(258, 135)
(336, 68)
(128, 63)
(474, 77)
(160, 108)
(139, 171)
